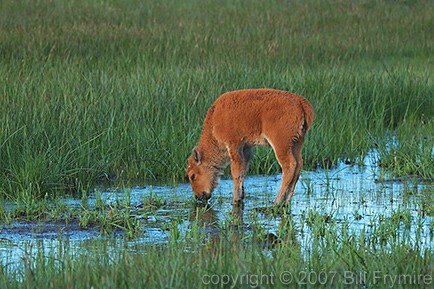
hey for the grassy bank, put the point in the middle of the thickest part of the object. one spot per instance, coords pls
(94, 91)
(332, 256)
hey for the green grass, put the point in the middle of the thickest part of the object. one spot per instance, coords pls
(116, 91)
(97, 90)
(333, 256)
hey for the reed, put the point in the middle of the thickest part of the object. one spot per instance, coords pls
(117, 90)
(333, 256)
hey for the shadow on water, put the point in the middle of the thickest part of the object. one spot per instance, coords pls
(346, 195)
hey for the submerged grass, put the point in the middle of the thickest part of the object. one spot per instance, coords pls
(150, 242)
(333, 257)
(94, 91)
(116, 91)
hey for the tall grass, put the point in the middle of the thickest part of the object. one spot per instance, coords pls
(96, 90)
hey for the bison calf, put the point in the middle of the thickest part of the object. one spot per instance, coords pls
(240, 120)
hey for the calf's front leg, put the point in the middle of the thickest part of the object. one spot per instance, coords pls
(239, 165)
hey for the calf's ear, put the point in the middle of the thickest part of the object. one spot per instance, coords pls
(196, 155)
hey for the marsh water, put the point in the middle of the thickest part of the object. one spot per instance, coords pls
(345, 194)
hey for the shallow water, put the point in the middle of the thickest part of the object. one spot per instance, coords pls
(345, 194)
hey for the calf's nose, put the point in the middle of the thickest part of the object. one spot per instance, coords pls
(204, 196)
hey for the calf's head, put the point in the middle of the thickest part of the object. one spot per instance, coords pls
(203, 178)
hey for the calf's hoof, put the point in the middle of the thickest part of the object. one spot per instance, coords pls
(238, 202)
(281, 207)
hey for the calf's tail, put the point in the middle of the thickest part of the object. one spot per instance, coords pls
(308, 116)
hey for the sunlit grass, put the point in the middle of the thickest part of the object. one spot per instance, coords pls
(115, 90)
(335, 256)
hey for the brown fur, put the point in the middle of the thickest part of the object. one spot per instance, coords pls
(240, 120)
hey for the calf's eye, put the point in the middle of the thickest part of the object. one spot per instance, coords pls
(192, 177)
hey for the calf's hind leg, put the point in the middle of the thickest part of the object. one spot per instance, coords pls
(288, 163)
(296, 152)
(288, 154)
